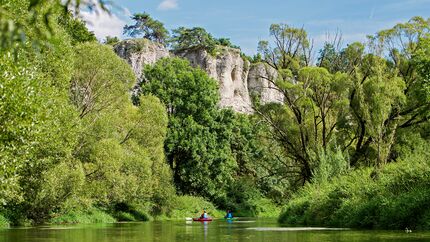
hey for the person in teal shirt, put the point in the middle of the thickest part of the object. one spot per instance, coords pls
(229, 214)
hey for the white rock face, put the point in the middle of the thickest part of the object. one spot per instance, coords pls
(236, 77)
(140, 52)
(260, 82)
(230, 70)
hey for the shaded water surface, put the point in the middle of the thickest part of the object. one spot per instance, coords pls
(219, 230)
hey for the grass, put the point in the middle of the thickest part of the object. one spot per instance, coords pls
(88, 216)
(4, 223)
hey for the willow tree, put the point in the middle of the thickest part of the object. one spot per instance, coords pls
(403, 96)
(305, 125)
(121, 145)
(376, 96)
(290, 49)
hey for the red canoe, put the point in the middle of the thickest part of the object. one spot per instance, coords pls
(202, 219)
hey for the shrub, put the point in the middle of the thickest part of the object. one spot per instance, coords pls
(84, 216)
(396, 198)
(126, 212)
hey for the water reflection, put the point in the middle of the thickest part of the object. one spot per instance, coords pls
(205, 229)
(218, 230)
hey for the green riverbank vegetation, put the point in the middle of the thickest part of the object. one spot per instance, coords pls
(83, 141)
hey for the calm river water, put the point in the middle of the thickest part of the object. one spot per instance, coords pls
(219, 230)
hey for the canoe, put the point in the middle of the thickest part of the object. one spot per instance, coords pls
(202, 219)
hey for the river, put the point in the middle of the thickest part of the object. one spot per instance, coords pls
(264, 230)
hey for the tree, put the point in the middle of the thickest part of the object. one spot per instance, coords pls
(407, 109)
(126, 163)
(375, 90)
(111, 40)
(197, 144)
(38, 14)
(226, 42)
(291, 49)
(190, 39)
(148, 27)
(76, 28)
(121, 145)
(308, 119)
(104, 87)
(375, 96)
(39, 126)
(69, 134)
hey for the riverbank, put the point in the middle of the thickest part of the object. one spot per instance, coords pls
(180, 208)
(394, 197)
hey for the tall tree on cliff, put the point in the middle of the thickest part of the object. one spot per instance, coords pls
(148, 28)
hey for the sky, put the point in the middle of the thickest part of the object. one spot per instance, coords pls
(246, 22)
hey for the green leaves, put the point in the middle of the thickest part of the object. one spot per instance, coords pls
(40, 14)
(198, 138)
(105, 87)
(291, 48)
(193, 38)
(121, 145)
(148, 27)
(69, 134)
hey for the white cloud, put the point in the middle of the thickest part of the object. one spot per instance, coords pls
(103, 24)
(168, 4)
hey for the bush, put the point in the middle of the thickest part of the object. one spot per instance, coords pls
(126, 212)
(266, 208)
(395, 198)
(85, 216)
(242, 197)
(245, 200)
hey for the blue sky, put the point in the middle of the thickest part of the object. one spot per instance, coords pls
(246, 22)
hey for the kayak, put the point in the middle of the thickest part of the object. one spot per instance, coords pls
(202, 219)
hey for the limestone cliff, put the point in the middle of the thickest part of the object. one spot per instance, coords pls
(139, 52)
(231, 71)
(260, 83)
(236, 76)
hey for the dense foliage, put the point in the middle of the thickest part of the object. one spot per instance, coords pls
(354, 101)
(348, 146)
(71, 142)
(396, 198)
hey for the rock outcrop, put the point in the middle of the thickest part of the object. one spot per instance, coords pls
(231, 71)
(236, 76)
(260, 83)
(139, 52)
